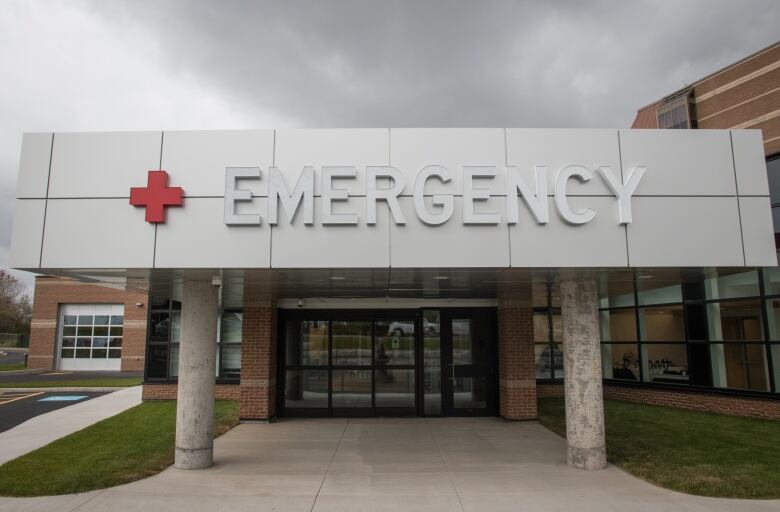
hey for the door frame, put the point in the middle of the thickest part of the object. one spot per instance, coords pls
(488, 316)
(490, 319)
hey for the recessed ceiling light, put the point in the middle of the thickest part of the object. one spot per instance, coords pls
(441, 278)
(646, 277)
(337, 278)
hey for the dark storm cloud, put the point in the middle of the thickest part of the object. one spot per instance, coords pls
(437, 63)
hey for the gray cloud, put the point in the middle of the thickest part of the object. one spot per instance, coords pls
(109, 64)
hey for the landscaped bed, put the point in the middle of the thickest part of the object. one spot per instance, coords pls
(693, 452)
(104, 382)
(129, 446)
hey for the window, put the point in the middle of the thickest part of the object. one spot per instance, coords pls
(90, 337)
(674, 113)
(710, 329)
(548, 338)
(164, 341)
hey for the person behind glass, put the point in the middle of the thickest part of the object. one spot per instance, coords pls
(381, 360)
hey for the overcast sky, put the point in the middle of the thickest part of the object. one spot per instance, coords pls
(124, 65)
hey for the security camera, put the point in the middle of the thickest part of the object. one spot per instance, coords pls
(300, 303)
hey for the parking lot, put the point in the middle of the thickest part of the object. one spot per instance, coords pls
(17, 407)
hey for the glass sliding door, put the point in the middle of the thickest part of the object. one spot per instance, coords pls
(351, 363)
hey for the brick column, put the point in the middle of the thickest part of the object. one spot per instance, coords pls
(516, 366)
(258, 357)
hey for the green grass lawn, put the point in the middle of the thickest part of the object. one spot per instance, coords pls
(692, 452)
(132, 445)
(11, 367)
(106, 382)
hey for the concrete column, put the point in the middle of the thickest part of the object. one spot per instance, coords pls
(197, 363)
(582, 372)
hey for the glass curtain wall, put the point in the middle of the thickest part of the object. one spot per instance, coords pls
(718, 330)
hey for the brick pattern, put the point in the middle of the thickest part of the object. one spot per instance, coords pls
(682, 399)
(51, 292)
(168, 391)
(516, 368)
(258, 354)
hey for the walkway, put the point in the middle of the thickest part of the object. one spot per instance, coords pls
(388, 464)
(42, 430)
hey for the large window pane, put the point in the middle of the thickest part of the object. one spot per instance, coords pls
(306, 389)
(729, 285)
(773, 318)
(659, 288)
(352, 343)
(620, 361)
(735, 321)
(616, 289)
(666, 364)
(469, 392)
(395, 342)
(394, 388)
(157, 361)
(618, 325)
(541, 327)
(739, 366)
(231, 326)
(159, 326)
(307, 343)
(351, 388)
(664, 323)
(543, 357)
(772, 275)
(231, 361)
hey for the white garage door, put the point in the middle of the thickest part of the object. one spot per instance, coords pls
(90, 336)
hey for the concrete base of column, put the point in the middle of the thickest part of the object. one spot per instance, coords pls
(197, 360)
(586, 447)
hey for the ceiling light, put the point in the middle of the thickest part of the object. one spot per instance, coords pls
(337, 278)
(441, 278)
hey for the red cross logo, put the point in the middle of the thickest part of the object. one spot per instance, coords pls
(156, 195)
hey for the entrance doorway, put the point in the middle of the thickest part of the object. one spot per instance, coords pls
(426, 362)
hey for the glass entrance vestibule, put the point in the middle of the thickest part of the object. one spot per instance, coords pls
(397, 362)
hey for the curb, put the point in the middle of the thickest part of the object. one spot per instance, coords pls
(63, 389)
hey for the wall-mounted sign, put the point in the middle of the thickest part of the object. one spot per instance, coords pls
(385, 183)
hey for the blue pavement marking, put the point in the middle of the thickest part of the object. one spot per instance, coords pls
(63, 398)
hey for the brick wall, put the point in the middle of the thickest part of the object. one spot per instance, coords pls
(516, 368)
(682, 399)
(51, 292)
(167, 391)
(258, 354)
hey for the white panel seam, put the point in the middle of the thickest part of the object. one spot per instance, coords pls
(739, 206)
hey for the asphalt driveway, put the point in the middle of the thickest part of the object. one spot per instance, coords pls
(18, 407)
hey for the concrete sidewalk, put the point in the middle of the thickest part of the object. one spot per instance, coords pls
(447, 464)
(43, 429)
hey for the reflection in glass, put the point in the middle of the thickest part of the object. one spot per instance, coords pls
(174, 369)
(662, 323)
(395, 388)
(620, 361)
(307, 342)
(351, 388)
(618, 325)
(462, 346)
(352, 343)
(306, 389)
(738, 320)
(541, 327)
(432, 362)
(665, 363)
(659, 288)
(231, 326)
(739, 366)
(394, 342)
(470, 392)
(231, 361)
(543, 358)
(616, 289)
(724, 285)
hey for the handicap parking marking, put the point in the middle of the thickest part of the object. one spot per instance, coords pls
(8, 397)
(63, 398)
